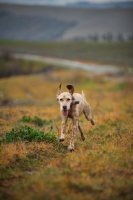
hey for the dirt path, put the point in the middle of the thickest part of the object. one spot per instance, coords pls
(94, 68)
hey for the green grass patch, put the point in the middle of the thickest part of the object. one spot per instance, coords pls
(26, 133)
(36, 120)
(119, 87)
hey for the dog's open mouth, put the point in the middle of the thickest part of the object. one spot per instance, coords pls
(65, 113)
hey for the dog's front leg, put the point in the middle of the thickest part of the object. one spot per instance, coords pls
(74, 132)
(63, 129)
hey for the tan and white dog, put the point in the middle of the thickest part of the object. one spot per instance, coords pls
(73, 105)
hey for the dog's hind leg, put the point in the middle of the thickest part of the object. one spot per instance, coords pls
(81, 132)
(88, 114)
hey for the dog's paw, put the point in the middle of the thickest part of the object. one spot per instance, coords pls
(70, 148)
(61, 139)
(92, 122)
(83, 138)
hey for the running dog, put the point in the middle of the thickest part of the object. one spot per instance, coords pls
(72, 105)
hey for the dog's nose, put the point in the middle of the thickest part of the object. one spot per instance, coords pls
(64, 107)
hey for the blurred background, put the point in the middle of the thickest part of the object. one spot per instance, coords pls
(85, 31)
(66, 20)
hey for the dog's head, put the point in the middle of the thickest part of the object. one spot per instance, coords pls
(65, 99)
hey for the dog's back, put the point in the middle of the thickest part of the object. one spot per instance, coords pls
(83, 107)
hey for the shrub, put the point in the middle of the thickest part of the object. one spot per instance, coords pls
(26, 119)
(26, 133)
(38, 121)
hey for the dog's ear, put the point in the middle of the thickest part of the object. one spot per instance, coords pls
(70, 88)
(59, 90)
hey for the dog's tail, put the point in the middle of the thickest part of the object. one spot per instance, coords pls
(83, 94)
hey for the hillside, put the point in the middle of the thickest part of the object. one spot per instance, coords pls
(110, 4)
(34, 168)
(47, 23)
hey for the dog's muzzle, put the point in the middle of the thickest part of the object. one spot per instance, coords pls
(64, 111)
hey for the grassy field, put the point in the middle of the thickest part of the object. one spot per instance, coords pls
(34, 165)
(120, 53)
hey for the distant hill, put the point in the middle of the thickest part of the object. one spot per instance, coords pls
(49, 23)
(81, 4)
(86, 4)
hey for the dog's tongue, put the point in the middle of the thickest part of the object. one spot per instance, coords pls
(65, 113)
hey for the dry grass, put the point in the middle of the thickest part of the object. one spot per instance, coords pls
(101, 167)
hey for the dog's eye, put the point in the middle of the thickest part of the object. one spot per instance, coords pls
(61, 99)
(68, 99)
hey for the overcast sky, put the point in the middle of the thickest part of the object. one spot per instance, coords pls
(57, 2)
